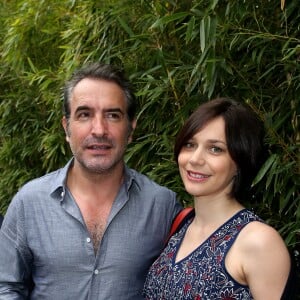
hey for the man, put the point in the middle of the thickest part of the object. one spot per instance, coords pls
(91, 229)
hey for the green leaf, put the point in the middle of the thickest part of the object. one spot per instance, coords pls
(265, 168)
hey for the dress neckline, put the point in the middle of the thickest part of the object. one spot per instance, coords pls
(184, 229)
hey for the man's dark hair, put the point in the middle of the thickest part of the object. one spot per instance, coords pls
(102, 72)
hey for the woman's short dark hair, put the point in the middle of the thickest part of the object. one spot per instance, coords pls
(103, 72)
(244, 133)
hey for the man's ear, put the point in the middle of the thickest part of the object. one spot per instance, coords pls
(65, 125)
(132, 128)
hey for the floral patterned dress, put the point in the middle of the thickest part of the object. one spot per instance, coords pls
(202, 274)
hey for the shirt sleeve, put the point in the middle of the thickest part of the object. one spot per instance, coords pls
(171, 211)
(15, 259)
(177, 206)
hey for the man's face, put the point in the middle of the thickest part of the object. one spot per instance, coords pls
(98, 130)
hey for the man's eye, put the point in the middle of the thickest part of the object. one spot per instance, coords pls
(83, 115)
(113, 116)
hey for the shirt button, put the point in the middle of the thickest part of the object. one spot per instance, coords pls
(88, 240)
(96, 272)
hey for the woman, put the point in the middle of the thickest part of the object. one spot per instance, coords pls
(225, 251)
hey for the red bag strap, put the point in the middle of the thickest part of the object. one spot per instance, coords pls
(178, 220)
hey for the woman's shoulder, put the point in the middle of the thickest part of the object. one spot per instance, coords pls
(258, 235)
(263, 257)
(261, 246)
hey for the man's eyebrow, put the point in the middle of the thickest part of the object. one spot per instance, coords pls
(117, 109)
(82, 107)
(85, 107)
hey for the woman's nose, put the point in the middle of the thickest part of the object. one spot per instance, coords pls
(197, 157)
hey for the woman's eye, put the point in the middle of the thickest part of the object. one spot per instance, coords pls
(189, 145)
(215, 149)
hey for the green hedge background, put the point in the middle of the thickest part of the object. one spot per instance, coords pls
(178, 54)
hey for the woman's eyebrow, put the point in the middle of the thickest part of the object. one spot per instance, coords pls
(214, 141)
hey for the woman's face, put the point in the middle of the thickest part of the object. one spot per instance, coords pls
(205, 165)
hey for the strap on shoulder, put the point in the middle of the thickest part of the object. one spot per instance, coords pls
(178, 221)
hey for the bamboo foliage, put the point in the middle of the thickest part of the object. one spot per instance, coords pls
(178, 54)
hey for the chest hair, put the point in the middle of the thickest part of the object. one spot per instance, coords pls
(96, 230)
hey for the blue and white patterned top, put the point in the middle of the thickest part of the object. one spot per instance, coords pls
(202, 274)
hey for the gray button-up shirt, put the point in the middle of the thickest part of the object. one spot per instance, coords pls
(43, 236)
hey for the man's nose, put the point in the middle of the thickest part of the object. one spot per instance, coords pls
(99, 126)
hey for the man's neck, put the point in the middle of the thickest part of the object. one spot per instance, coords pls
(95, 187)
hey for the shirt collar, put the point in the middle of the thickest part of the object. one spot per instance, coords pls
(58, 184)
(130, 178)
